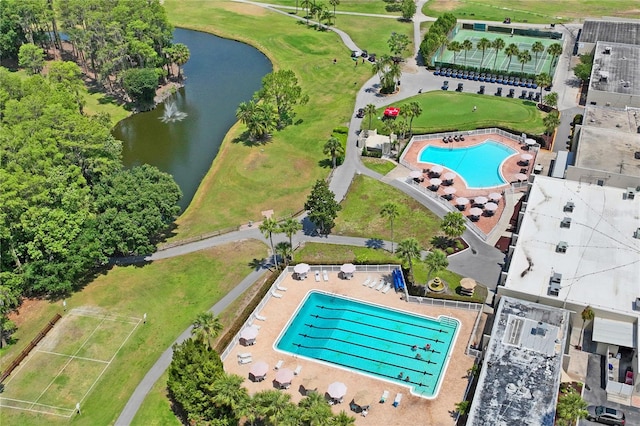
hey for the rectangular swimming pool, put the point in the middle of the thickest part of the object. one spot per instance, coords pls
(384, 343)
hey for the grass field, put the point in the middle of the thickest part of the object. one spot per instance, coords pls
(372, 34)
(378, 165)
(360, 6)
(533, 11)
(443, 111)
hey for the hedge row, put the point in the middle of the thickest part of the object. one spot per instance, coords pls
(432, 40)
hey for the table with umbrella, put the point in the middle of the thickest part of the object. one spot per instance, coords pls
(310, 384)
(301, 270)
(480, 201)
(391, 112)
(361, 401)
(348, 270)
(461, 202)
(530, 142)
(258, 371)
(525, 158)
(337, 391)
(436, 170)
(494, 197)
(248, 336)
(284, 376)
(491, 208)
(449, 191)
(475, 212)
(449, 177)
(521, 177)
(467, 286)
(434, 183)
(416, 175)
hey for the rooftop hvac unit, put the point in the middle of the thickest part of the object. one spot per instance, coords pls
(562, 247)
(554, 284)
(566, 223)
(637, 304)
(607, 50)
(630, 194)
(569, 207)
(636, 234)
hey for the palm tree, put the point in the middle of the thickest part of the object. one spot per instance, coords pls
(325, 17)
(453, 224)
(334, 3)
(206, 327)
(543, 80)
(343, 419)
(246, 112)
(537, 48)
(415, 110)
(554, 50)
(334, 148)
(463, 407)
(498, 45)
(390, 210)
(441, 41)
(307, 5)
(524, 57)
(228, 391)
(289, 227)
(510, 51)
(483, 44)
(455, 47)
(551, 121)
(570, 407)
(408, 250)
(466, 46)
(283, 248)
(268, 227)
(587, 315)
(551, 99)
(315, 409)
(272, 404)
(435, 261)
(370, 111)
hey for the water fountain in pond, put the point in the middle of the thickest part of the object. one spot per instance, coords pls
(171, 113)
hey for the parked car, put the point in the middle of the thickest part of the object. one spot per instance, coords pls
(481, 91)
(460, 87)
(364, 54)
(355, 53)
(372, 57)
(360, 113)
(605, 415)
(445, 85)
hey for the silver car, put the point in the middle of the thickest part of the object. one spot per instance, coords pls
(605, 415)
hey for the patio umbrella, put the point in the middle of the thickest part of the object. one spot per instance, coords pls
(435, 182)
(437, 169)
(391, 112)
(362, 398)
(337, 390)
(284, 376)
(480, 200)
(461, 201)
(249, 333)
(521, 177)
(468, 283)
(301, 268)
(415, 174)
(495, 196)
(348, 268)
(476, 211)
(449, 176)
(526, 157)
(259, 369)
(491, 207)
(530, 142)
(310, 384)
(450, 190)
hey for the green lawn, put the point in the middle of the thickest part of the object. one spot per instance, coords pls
(379, 165)
(98, 102)
(372, 34)
(444, 111)
(360, 214)
(360, 6)
(531, 11)
(172, 292)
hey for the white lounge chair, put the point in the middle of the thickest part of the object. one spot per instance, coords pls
(382, 284)
(396, 401)
(325, 275)
(373, 284)
(244, 360)
(386, 288)
(367, 281)
(278, 365)
(281, 288)
(297, 370)
(260, 317)
(244, 355)
(257, 327)
(276, 295)
(384, 397)
(317, 276)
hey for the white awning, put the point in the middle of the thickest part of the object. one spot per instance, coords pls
(614, 332)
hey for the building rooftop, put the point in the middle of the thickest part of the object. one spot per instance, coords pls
(619, 31)
(616, 68)
(608, 150)
(601, 264)
(622, 120)
(520, 376)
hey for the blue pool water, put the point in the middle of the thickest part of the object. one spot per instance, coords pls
(478, 165)
(371, 340)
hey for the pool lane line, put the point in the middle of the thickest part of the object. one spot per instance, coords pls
(371, 347)
(380, 317)
(401, 368)
(417, 336)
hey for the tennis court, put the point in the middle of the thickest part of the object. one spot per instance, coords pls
(474, 56)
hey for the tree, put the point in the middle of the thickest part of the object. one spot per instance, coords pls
(389, 72)
(483, 44)
(9, 300)
(543, 80)
(551, 121)
(408, 251)
(570, 407)
(31, 57)
(551, 99)
(229, 396)
(268, 227)
(68, 76)
(587, 315)
(180, 55)
(289, 227)
(453, 224)
(333, 147)
(537, 48)
(140, 84)
(497, 45)
(272, 404)
(466, 46)
(307, 5)
(441, 41)
(284, 250)
(206, 327)
(408, 9)
(511, 51)
(391, 211)
(436, 261)
(370, 111)
(583, 69)
(281, 89)
(412, 110)
(398, 43)
(315, 410)
(333, 3)
(455, 47)
(322, 207)
(326, 17)
(554, 50)
(342, 419)
(260, 118)
(524, 57)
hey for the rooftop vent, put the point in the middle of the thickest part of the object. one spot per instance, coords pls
(637, 304)
(569, 207)
(636, 234)
(566, 223)
(607, 50)
(629, 194)
(554, 284)
(539, 331)
(562, 247)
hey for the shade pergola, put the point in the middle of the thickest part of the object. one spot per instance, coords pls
(437, 169)
(249, 334)
(450, 190)
(495, 196)
(526, 157)
(284, 376)
(391, 112)
(435, 182)
(415, 174)
(492, 207)
(259, 369)
(462, 201)
(468, 283)
(337, 390)
(475, 211)
(449, 176)
(521, 177)
(481, 201)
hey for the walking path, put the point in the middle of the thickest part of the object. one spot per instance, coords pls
(481, 261)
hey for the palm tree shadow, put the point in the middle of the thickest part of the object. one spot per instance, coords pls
(325, 163)
(247, 141)
(258, 264)
(374, 243)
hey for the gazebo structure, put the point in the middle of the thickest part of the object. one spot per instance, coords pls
(301, 270)
(347, 270)
(467, 286)
(248, 336)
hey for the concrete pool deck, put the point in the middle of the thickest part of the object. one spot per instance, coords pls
(412, 409)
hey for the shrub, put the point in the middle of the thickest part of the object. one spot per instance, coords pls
(450, 250)
(341, 130)
(459, 245)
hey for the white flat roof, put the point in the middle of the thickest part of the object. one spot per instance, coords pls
(614, 332)
(601, 266)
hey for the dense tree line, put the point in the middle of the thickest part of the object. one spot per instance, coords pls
(436, 37)
(66, 203)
